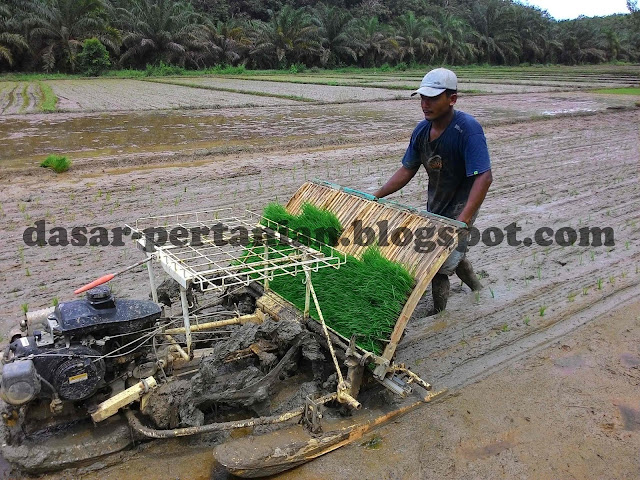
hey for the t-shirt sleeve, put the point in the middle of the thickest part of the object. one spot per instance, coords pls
(476, 155)
(411, 159)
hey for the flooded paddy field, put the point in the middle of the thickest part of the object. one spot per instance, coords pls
(545, 340)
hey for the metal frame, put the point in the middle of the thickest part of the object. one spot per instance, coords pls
(220, 259)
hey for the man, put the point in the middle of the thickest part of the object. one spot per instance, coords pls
(453, 149)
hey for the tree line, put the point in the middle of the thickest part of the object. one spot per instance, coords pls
(91, 35)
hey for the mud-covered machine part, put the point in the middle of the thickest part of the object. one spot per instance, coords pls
(77, 350)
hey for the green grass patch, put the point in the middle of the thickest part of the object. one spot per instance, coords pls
(49, 100)
(33, 77)
(57, 163)
(363, 297)
(25, 97)
(620, 91)
(125, 73)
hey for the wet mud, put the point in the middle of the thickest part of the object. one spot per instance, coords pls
(550, 170)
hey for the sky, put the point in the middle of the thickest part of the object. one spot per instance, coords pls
(568, 9)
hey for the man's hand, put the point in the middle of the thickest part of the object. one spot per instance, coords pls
(476, 196)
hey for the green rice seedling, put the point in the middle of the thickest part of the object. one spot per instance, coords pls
(593, 255)
(27, 273)
(25, 97)
(107, 197)
(58, 163)
(492, 293)
(627, 244)
(612, 279)
(477, 297)
(505, 328)
(527, 320)
(624, 274)
(585, 290)
(25, 308)
(48, 99)
(571, 297)
(539, 273)
(542, 309)
(22, 207)
(599, 283)
(55, 301)
(363, 297)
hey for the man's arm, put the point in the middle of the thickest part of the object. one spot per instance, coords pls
(476, 196)
(397, 181)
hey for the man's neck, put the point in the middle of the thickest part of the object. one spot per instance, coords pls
(439, 124)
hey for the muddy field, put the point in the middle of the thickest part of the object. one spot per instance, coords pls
(560, 160)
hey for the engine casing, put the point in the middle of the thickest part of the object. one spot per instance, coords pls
(83, 344)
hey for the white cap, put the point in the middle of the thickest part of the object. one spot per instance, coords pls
(437, 81)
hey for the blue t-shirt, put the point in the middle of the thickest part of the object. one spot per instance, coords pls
(452, 161)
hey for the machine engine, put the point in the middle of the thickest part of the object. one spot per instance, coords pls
(83, 346)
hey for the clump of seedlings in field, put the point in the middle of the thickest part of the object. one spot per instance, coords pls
(492, 293)
(527, 320)
(55, 301)
(505, 328)
(57, 163)
(612, 279)
(542, 309)
(571, 297)
(585, 290)
(599, 283)
(25, 308)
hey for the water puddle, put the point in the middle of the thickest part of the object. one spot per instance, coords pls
(28, 140)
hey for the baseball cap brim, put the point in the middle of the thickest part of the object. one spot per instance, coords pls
(429, 91)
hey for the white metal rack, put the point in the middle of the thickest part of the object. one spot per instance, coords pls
(215, 249)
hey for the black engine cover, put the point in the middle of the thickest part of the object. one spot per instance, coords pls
(100, 312)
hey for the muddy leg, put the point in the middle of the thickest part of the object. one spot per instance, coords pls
(440, 291)
(465, 272)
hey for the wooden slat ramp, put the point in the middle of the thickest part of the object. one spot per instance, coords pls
(403, 224)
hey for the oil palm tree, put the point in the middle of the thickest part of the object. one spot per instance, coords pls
(11, 41)
(412, 34)
(160, 30)
(377, 42)
(497, 39)
(335, 26)
(57, 29)
(227, 41)
(288, 37)
(451, 37)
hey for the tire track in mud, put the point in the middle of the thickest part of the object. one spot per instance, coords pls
(478, 367)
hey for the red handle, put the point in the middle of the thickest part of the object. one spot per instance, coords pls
(95, 283)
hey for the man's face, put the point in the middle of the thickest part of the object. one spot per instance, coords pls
(436, 107)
